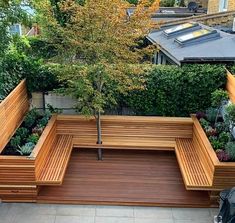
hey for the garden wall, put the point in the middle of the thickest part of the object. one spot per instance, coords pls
(12, 110)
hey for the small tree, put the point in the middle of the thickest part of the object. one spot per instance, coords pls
(98, 44)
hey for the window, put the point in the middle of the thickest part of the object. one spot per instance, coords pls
(223, 5)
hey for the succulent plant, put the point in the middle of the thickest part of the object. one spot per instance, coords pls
(26, 149)
(22, 132)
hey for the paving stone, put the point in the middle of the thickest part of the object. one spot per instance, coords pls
(115, 211)
(153, 220)
(4, 208)
(76, 210)
(214, 211)
(206, 220)
(34, 219)
(191, 213)
(74, 219)
(113, 220)
(153, 212)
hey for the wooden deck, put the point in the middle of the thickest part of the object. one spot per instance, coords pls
(125, 177)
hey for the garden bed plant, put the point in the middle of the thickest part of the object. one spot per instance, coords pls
(218, 123)
(28, 134)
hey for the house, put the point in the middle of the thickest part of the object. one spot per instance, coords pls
(215, 6)
(192, 42)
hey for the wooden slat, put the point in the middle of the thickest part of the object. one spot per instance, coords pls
(231, 86)
(191, 166)
(54, 168)
(124, 177)
(12, 110)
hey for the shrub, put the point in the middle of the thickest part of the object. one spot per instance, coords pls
(33, 138)
(22, 133)
(167, 3)
(230, 149)
(224, 138)
(15, 141)
(177, 91)
(29, 120)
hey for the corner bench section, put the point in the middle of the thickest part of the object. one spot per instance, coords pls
(52, 173)
(191, 166)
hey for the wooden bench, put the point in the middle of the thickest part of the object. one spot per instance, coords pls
(192, 167)
(126, 132)
(52, 173)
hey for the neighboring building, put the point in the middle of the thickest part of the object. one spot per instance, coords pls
(192, 43)
(164, 14)
(215, 6)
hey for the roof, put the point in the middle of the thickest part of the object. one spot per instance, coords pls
(214, 46)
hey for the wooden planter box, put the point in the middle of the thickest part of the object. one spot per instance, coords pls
(18, 174)
(223, 173)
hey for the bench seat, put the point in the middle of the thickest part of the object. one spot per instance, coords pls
(191, 166)
(115, 142)
(52, 173)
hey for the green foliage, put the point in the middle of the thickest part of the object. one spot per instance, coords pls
(11, 13)
(230, 149)
(15, 141)
(216, 144)
(224, 138)
(211, 114)
(218, 97)
(177, 91)
(43, 122)
(204, 123)
(230, 113)
(40, 48)
(22, 133)
(33, 138)
(30, 118)
(167, 3)
(221, 127)
(26, 149)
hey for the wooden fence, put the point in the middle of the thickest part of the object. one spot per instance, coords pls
(12, 111)
(231, 86)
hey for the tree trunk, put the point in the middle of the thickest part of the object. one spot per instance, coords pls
(99, 136)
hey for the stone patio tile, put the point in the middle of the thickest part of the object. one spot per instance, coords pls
(32, 209)
(76, 210)
(34, 219)
(114, 211)
(153, 220)
(4, 208)
(191, 213)
(206, 220)
(214, 211)
(153, 212)
(74, 219)
(113, 220)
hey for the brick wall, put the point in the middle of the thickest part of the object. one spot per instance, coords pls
(213, 5)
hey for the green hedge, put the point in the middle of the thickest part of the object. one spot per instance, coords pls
(177, 91)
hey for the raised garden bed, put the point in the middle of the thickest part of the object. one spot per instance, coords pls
(28, 134)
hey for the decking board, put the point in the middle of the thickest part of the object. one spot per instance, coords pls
(150, 178)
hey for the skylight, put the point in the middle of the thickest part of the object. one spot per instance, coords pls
(180, 28)
(197, 36)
